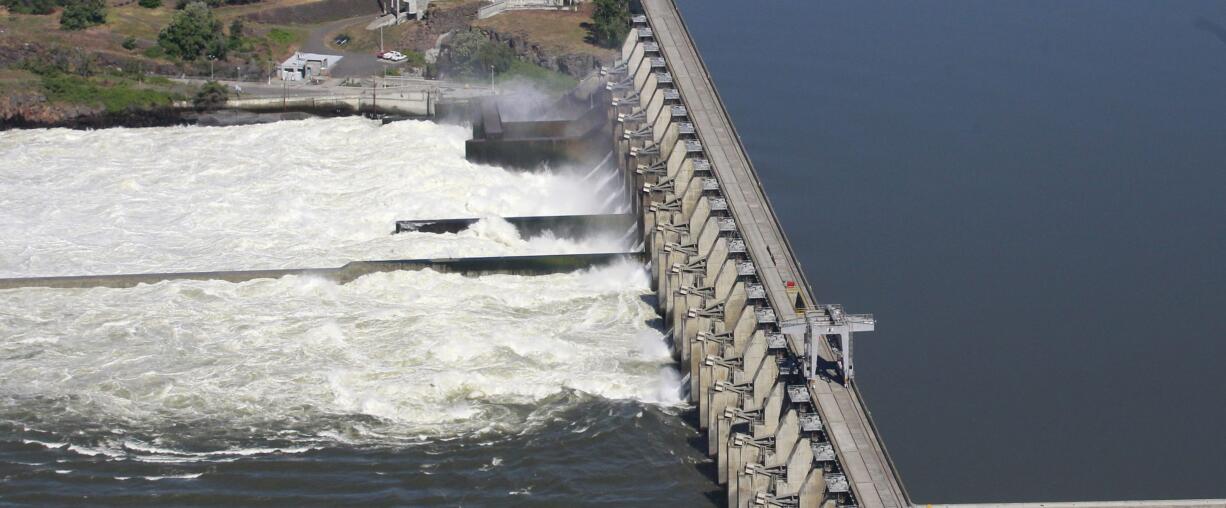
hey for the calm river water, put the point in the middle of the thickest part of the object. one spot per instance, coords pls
(1031, 198)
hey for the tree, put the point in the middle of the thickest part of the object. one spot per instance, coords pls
(129, 43)
(82, 14)
(610, 22)
(212, 95)
(193, 33)
(235, 42)
(150, 4)
(472, 54)
(29, 6)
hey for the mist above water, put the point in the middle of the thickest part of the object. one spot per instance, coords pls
(199, 390)
(313, 193)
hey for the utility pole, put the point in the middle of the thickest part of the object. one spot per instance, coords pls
(211, 58)
(380, 38)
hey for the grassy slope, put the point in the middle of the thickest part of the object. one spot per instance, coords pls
(555, 31)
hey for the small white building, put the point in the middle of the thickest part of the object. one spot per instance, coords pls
(305, 66)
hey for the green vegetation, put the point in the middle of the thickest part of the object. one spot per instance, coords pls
(212, 95)
(236, 42)
(541, 77)
(182, 4)
(473, 55)
(129, 43)
(114, 96)
(610, 22)
(30, 6)
(281, 36)
(193, 33)
(82, 14)
(150, 4)
(154, 52)
(414, 58)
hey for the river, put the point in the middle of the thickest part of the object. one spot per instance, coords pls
(401, 388)
(1028, 195)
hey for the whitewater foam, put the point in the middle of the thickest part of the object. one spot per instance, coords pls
(387, 358)
(312, 193)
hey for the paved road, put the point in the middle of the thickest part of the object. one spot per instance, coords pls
(355, 64)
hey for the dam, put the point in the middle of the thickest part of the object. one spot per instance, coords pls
(506, 281)
(770, 368)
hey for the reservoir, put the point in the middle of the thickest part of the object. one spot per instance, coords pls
(1028, 197)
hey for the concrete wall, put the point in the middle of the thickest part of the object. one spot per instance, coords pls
(721, 326)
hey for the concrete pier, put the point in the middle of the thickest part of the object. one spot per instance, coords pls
(474, 266)
(561, 226)
(783, 419)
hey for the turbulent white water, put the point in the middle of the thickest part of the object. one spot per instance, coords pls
(291, 194)
(209, 370)
(421, 353)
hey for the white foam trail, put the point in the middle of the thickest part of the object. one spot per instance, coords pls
(291, 194)
(414, 353)
(206, 371)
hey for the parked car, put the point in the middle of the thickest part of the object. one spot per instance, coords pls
(341, 40)
(393, 56)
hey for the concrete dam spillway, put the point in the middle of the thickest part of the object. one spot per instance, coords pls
(602, 276)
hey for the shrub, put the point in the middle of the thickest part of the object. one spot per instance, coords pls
(129, 43)
(150, 4)
(212, 95)
(154, 52)
(193, 33)
(281, 36)
(471, 54)
(117, 96)
(235, 41)
(82, 14)
(30, 6)
(610, 22)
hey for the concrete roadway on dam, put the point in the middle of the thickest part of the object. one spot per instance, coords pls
(868, 466)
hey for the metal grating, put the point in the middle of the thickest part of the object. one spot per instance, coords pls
(671, 94)
(702, 165)
(693, 145)
(678, 110)
(798, 393)
(657, 61)
(710, 183)
(721, 204)
(736, 245)
(744, 268)
(837, 483)
(664, 77)
(685, 128)
(765, 315)
(810, 422)
(755, 292)
(645, 33)
(776, 341)
(726, 224)
(651, 47)
(823, 452)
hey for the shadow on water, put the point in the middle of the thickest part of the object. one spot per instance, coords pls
(1204, 24)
